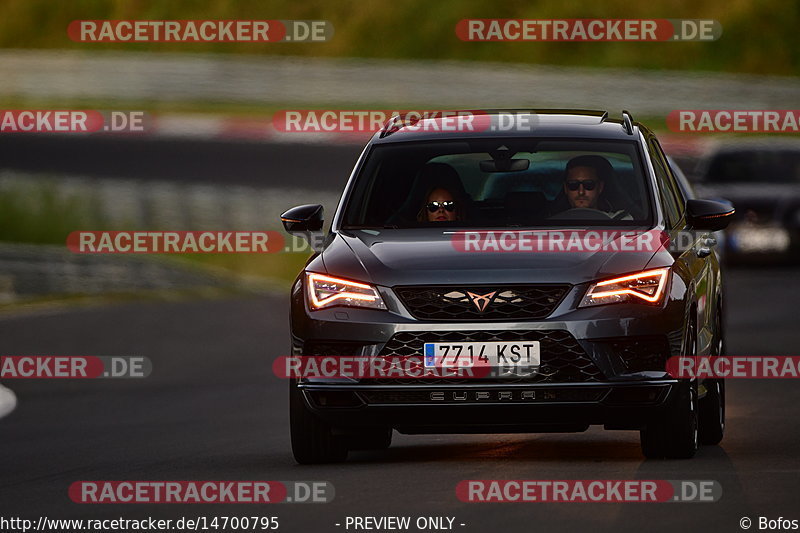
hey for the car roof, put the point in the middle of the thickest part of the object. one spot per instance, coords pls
(534, 123)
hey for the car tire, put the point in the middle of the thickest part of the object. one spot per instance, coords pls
(675, 435)
(712, 406)
(313, 440)
(712, 413)
(652, 437)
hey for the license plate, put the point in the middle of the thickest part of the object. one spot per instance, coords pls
(482, 354)
(748, 239)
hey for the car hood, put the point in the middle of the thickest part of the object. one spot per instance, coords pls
(428, 257)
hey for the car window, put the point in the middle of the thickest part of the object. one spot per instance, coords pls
(680, 177)
(501, 183)
(672, 181)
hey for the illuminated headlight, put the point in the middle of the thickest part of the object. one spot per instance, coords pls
(645, 287)
(327, 291)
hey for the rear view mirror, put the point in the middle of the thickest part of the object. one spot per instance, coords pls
(303, 218)
(708, 214)
(504, 165)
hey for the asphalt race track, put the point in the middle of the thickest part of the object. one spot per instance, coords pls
(212, 410)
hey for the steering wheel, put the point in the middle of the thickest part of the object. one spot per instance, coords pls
(581, 213)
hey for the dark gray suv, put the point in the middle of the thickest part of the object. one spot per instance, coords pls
(429, 256)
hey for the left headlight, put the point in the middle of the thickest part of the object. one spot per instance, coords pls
(644, 287)
(327, 291)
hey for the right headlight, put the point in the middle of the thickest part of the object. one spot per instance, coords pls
(646, 287)
(327, 291)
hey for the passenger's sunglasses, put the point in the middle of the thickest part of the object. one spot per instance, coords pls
(447, 206)
(574, 185)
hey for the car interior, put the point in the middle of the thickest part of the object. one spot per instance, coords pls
(530, 197)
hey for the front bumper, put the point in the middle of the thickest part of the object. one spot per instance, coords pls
(495, 408)
(606, 366)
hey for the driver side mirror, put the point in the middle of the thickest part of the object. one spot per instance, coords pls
(708, 214)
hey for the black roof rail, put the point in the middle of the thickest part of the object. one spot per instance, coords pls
(385, 131)
(547, 111)
(627, 122)
(399, 121)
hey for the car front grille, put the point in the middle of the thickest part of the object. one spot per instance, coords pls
(562, 358)
(451, 303)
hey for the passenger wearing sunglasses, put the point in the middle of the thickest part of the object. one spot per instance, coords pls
(440, 206)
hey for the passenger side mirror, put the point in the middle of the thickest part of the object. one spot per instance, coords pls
(708, 214)
(305, 221)
(303, 218)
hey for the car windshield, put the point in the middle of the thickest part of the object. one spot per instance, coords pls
(500, 183)
(755, 166)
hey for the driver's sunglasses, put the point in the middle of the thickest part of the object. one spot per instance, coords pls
(447, 206)
(574, 185)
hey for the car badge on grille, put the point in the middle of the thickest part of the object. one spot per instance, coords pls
(481, 301)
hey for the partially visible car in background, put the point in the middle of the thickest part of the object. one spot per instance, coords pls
(761, 177)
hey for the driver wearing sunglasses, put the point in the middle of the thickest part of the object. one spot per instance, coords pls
(584, 182)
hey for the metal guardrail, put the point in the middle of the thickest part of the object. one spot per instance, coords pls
(171, 205)
(172, 77)
(35, 270)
